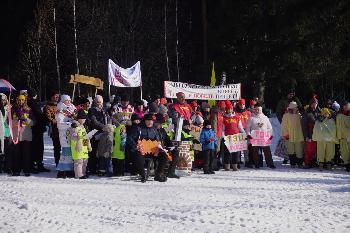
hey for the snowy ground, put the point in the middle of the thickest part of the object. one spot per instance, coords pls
(281, 200)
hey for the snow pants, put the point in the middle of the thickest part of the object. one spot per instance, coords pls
(345, 151)
(310, 153)
(80, 167)
(295, 148)
(325, 151)
(208, 157)
(139, 163)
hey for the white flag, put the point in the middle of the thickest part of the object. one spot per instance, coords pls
(120, 77)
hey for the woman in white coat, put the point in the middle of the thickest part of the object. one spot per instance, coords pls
(65, 115)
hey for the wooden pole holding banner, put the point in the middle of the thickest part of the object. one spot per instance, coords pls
(73, 92)
(141, 92)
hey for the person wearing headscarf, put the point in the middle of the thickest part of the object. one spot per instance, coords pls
(23, 122)
(292, 132)
(259, 121)
(65, 115)
(325, 134)
(343, 134)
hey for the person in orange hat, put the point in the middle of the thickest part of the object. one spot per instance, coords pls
(232, 125)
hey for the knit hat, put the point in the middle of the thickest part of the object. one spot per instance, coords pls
(179, 93)
(241, 101)
(163, 101)
(159, 118)
(206, 122)
(149, 117)
(163, 109)
(194, 104)
(314, 100)
(199, 120)
(252, 103)
(325, 111)
(228, 105)
(335, 106)
(153, 108)
(81, 114)
(292, 105)
(205, 105)
(135, 117)
(124, 98)
(185, 122)
(84, 100)
(221, 104)
(64, 98)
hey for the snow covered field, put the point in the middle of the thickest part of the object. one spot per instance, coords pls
(281, 200)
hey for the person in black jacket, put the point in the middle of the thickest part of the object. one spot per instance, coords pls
(149, 132)
(167, 143)
(98, 118)
(38, 129)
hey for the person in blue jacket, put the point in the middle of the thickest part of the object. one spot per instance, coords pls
(209, 143)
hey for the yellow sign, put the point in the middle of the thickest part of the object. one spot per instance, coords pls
(78, 78)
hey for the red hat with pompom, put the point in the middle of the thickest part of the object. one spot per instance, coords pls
(221, 104)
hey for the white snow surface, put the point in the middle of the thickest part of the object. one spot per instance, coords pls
(281, 200)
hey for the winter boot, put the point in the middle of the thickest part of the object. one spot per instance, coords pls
(235, 167)
(347, 167)
(320, 166)
(292, 159)
(329, 166)
(285, 161)
(227, 167)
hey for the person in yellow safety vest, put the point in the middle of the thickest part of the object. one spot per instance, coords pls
(168, 126)
(186, 136)
(80, 146)
(118, 155)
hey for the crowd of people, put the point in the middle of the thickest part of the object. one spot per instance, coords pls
(92, 137)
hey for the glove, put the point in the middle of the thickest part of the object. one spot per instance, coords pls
(249, 137)
(271, 137)
(74, 125)
(286, 137)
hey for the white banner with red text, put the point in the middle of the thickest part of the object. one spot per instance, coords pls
(199, 92)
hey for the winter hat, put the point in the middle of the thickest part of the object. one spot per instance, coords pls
(241, 101)
(159, 118)
(179, 94)
(124, 98)
(153, 108)
(3, 96)
(163, 101)
(199, 120)
(84, 100)
(64, 98)
(23, 92)
(292, 105)
(252, 103)
(314, 100)
(325, 111)
(135, 117)
(163, 109)
(221, 104)
(335, 106)
(228, 105)
(185, 122)
(206, 123)
(138, 103)
(205, 105)
(149, 117)
(81, 114)
(194, 104)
